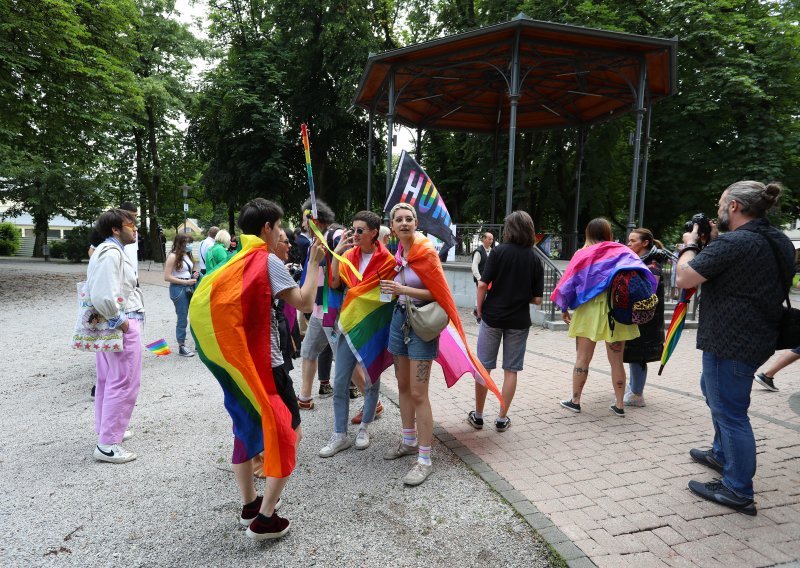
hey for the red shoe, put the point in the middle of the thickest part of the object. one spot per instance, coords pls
(250, 512)
(357, 418)
(263, 528)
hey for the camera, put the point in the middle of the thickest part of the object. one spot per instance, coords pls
(703, 226)
(295, 270)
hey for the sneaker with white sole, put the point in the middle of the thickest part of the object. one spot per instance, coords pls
(127, 435)
(251, 510)
(362, 439)
(264, 528)
(335, 445)
(766, 382)
(401, 450)
(633, 399)
(418, 474)
(113, 454)
(569, 405)
(184, 352)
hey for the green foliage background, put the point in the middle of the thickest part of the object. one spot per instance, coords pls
(98, 106)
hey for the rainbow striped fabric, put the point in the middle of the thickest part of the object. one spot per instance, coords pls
(590, 271)
(455, 356)
(230, 323)
(160, 347)
(364, 320)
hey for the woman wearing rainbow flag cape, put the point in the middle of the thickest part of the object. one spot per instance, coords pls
(364, 327)
(583, 288)
(233, 321)
(420, 279)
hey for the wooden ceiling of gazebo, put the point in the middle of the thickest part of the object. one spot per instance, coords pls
(569, 76)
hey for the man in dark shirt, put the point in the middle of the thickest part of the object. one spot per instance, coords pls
(743, 288)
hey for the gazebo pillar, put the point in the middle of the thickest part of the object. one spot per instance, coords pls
(513, 96)
(389, 128)
(637, 143)
(369, 157)
(573, 245)
(644, 166)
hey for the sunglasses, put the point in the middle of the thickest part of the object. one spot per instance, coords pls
(131, 225)
(358, 231)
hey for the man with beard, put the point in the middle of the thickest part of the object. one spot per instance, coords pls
(746, 273)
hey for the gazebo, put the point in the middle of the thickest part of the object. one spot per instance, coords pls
(521, 75)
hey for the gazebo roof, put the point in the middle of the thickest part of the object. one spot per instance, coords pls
(569, 76)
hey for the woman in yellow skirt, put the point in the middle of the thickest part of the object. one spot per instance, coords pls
(583, 288)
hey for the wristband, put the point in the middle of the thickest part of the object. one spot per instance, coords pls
(693, 247)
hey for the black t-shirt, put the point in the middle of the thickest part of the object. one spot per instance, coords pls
(516, 276)
(741, 299)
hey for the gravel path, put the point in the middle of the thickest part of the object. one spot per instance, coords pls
(178, 504)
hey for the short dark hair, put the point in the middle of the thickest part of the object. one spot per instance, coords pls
(257, 213)
(599, 230)
(372, 220)
(129, 206)
(324, 213)
(519, 230)
(112, 219)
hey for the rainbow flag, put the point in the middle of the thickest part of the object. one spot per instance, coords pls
(676, 326)
(455, 356)
(159, 347)
(590, 271)
(230, 322)
(364, 320)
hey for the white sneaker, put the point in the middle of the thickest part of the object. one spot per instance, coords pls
(113, 454)
(335, 445)
(362, 439)
(127, 435)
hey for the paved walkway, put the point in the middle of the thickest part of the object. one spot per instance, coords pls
(613, 491)
(607, 491)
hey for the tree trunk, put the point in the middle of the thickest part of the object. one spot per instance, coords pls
(155, 179)
(40, 228)
(151, 243)
(231, 219)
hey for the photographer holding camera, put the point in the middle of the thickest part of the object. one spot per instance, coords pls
(742, 295)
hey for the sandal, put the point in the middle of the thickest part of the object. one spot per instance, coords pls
(306, 404)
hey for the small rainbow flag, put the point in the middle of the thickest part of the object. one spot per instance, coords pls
(159, 347)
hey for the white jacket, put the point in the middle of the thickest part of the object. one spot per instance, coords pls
(112, 284)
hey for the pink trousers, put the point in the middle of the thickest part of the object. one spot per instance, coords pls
(118, 378)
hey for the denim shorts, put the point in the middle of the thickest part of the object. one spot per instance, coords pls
(796, 350)
(514, 343)
(416, 349)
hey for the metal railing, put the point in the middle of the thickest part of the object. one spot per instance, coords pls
(468, 238)
(551, 277)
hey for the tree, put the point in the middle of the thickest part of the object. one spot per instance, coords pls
(63, 80)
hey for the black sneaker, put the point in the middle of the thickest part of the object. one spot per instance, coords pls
(325, 389)
(354, 393)
(715, 491)
(618, 411)
(766, 382)
(263, 528)
(250, 512)
(501, 425)
(706, 458)
(569, 405)
(475, 422)
(91, 395)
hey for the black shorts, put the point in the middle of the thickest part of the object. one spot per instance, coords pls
(285, 388)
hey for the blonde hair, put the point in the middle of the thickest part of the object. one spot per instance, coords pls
(223, 237)
(402, 205)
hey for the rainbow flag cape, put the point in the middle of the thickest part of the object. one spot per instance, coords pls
(364, 320)
(455, 356)
(230, 322)
(159, 347)
(590, 271)
(676, 326)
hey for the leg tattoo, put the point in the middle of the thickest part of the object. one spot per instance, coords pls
(617, 346)
(423, 371)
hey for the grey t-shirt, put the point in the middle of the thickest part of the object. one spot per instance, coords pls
(741, 299)
(279, 280)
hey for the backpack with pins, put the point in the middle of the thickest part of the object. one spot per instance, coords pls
(630, 299)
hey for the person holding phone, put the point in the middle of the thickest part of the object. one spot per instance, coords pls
(179, 271)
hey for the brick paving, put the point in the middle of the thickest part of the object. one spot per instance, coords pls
(617, 487)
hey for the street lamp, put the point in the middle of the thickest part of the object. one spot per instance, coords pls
(185, 189)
